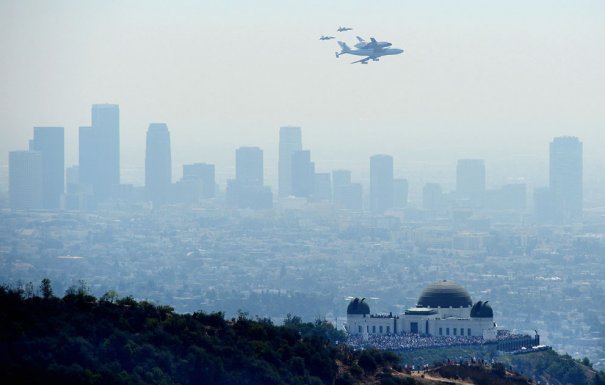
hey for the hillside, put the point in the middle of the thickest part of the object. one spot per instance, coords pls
(550, 367)
(79, 339)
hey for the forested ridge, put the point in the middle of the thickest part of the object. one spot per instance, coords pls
(79, 339)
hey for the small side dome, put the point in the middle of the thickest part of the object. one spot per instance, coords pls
(358, 306)
(482, 310)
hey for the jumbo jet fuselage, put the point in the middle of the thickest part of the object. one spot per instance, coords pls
(370, 53)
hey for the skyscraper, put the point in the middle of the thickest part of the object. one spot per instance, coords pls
(303, 174)
(322, 186)
(470, 181)
(74, 198)
(247, 191)
(249, 166)
(25, 178)
(566, 179)
(49, 142)
(381, 183)
(341, 180)
(158, 163)
(290, 140)
(106, 124)
(202, 177)
(100, 152)
(346, 195)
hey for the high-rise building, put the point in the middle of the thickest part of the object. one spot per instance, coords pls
(400, 193)
(322, 186)
(346, 195)
(381, 183)
(158, 163)
(49, 142)
(290, 140)
(566, 179)
(201, 178)
(247, 191)
(74, 198)
(341, 180)
(100, 152)
(106, 124)
(470, 181)
(25, 178)
(249, 166)
(303, 174)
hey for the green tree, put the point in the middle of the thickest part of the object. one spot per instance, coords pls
(46, 289)
(367, 362)
(111, 296)
(28, 290)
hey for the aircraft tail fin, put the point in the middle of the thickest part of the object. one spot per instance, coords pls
(360, 39)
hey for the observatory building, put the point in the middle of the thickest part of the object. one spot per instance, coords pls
(444, 308)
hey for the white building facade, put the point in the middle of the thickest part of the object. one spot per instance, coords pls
(443, 309)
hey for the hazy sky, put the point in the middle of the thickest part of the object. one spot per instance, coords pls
(484, 79)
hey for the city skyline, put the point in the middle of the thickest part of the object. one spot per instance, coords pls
(476, 81)
(99, 179)
(418, 173)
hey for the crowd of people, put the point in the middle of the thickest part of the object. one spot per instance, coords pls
(410, 341)
(504, 335)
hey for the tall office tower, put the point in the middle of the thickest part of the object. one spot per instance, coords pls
(202, 177)
(25, 178)
(346, 195)
(100, 153)
(49, 142)
(322, 186)
(566, 179)
(470, 181)
(247, 191)
(106, 136)
(73, 197)
(341, 180)
(249, 166)
(381, 183)
(290, 140)
(303, 174)
(400, 193)
(432, 197)
(158, 163)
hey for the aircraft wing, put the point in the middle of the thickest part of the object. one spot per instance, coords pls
(362, 61)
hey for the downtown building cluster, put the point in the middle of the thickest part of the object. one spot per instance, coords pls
(38, 178)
